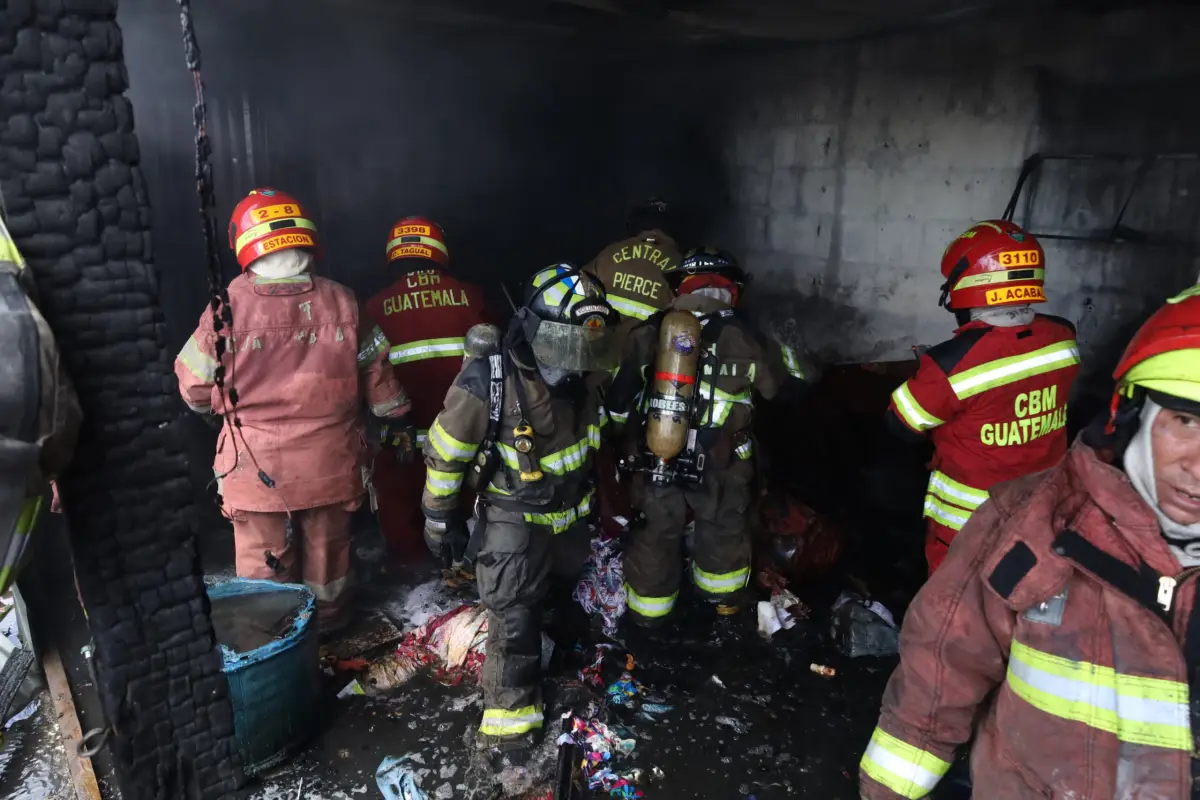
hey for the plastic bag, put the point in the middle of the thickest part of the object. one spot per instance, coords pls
(862, 628)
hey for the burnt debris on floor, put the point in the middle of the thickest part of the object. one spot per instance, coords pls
(718, 712)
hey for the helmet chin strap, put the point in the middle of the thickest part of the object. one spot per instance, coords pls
(952, 279)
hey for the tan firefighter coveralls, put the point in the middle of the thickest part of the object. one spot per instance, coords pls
(724, 415)
(532, 532)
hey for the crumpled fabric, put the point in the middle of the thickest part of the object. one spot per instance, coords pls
(601, 587)
(599, 746)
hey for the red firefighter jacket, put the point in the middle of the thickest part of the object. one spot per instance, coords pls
(1061, 631)
(301, 365)
(425, 316)
(994, 402)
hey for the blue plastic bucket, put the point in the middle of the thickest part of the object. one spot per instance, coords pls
(275, 689)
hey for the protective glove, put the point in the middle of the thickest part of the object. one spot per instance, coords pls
(446, 539)
(402, 435)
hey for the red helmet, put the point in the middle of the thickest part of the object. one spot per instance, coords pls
(418, 237)
(995, 263)
(1164, 355)
(267, 221)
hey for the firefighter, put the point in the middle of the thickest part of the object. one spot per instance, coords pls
(41, 419)
(425, 315)
(1062, 631)
(522, 423)
(993, 399)
(632, 270)
(732, 365)
(290, 456)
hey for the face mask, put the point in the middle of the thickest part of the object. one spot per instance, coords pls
(554, 376)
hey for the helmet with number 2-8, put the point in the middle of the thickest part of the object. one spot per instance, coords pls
(267, 221)
(994, 263)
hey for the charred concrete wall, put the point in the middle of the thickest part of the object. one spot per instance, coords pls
(851, 167)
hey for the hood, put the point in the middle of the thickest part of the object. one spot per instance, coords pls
(698, 303)
(283, 264)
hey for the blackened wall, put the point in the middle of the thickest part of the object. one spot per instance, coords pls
(527, 144)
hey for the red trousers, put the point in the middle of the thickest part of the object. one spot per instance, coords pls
(937, 543)
(317, 554)
(398, 492)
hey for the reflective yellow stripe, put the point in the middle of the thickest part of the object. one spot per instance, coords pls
(619, 418)
(906, 770)
(720, 583)
(652, 607)
(413, 238)
(30, 509)
(943, 486)
(950, 516)
(198, 362)
(498, 722)
(792, 362)
(442, 484)
(567, 460)
(1039, 274)
(722, 402)
(560, 521)
(420, 350)
(745, 450)
(8, 249)
(1004, 371)
(370, 349)
(300, 223)
(917, 417)
(631, 308)
(1146, 711)
(446, 446)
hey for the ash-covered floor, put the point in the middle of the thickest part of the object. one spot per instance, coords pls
(748, 718)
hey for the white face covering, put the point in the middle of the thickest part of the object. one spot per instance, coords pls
(1005, 316)
(1184, 540)
(283, 264)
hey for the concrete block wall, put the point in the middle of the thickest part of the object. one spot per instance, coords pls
(851, 167)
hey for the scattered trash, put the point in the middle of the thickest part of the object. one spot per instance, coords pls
(779, 613)
(397, 780)
(350, 689)
(657, 708)
(623, 690)
(862, 628)
(822, 670)
(590, 674)
(600, 745)
(737, 725)
(601, 588)
(717, 681)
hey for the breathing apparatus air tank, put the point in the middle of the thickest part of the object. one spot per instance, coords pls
(673, 391)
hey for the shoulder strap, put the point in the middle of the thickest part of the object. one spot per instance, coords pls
(949, 353)
(1144, 584)
(495, 394)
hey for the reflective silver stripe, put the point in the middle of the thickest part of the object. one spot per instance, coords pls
(631, 308)
(1014, 368)
(905, 770)
(427, 348)
(958, 493)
